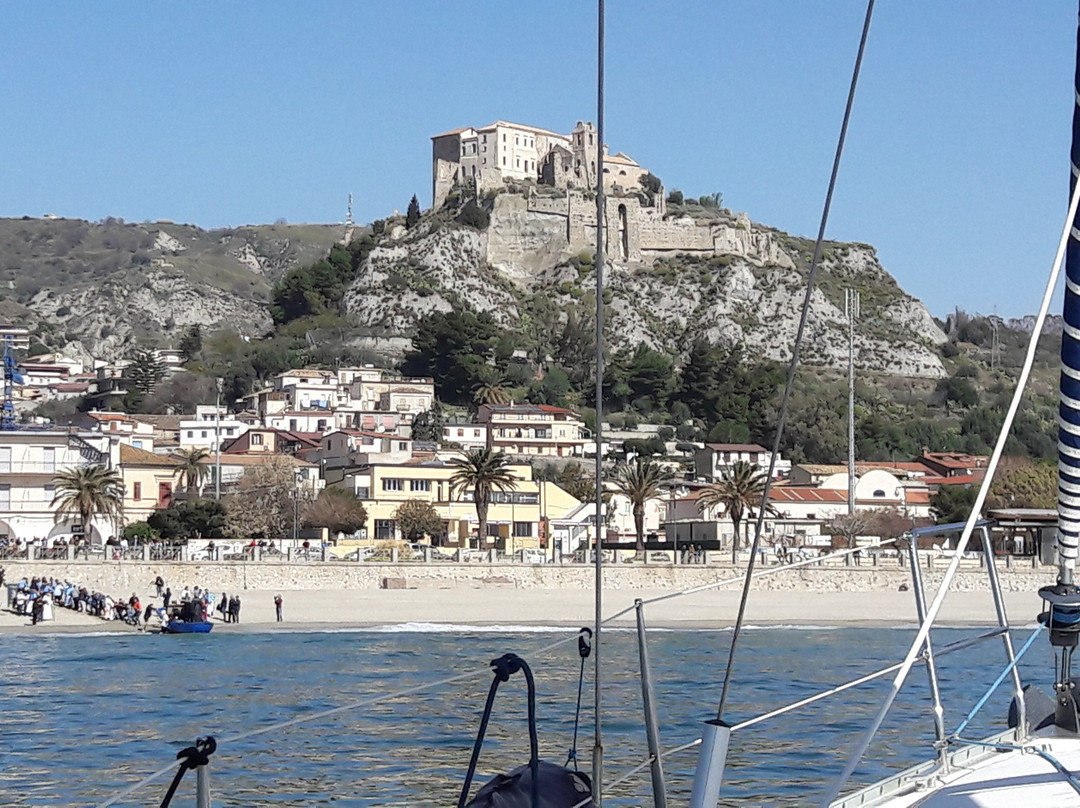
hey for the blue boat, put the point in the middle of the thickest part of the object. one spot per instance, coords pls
(186, 618)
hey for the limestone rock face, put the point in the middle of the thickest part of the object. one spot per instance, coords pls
(108, 317)
(735, 283)
(435, 271)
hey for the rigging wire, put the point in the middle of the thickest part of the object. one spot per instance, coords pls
(980, 500)
(794, 364)
(598, 585)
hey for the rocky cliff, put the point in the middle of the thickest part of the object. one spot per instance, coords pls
(673, 275)
(735, 282)
(94, 289)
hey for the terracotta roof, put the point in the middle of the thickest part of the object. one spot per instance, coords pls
(70, 387)
(917, 497)
(737, 447)
(807, 494)
(457, 131)
(256, 460)
(132, 456)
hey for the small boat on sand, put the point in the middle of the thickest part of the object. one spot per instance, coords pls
(185, 618)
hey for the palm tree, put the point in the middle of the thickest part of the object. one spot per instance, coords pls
(738, 492)
(192, 471)
(491, 391)
(639, 482)
(87, 491)
(485, 472)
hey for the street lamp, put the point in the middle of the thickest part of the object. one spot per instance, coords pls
(217, 439)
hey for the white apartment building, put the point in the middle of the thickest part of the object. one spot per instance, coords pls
(29, 460)
(212, 426)
(468, 436)
(715, 459)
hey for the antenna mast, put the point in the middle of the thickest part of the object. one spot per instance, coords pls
(851, 310)
(349, 226)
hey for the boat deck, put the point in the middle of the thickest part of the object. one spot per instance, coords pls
(981, 777)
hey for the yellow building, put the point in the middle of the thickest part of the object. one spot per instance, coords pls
(517, 519)
(149, 481)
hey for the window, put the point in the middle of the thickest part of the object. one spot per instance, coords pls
(191, 433)
(164, 495)
(523, 529)
(543, 433)
(517, 163)
(492, 531)
(5, 497)
(419, 485)
(136, 491)
(504, 137)
(879, 493)
(403, 446)
(137, 444)
(363, 492)
(256, 439)
(384, 528)
(204, 433)
(50, 458)
(392, 484)
(461, 433)
(292, 424)
(504, 161)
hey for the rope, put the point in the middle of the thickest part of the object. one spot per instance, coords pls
(584, 649)
(997, 682)
(793, 366)
(931, 615)
(190, 758)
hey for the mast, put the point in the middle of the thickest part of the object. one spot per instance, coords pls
(598, 561)
(851, 307)
(1068, 535)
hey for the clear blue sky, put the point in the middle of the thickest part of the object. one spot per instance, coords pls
(231, 113)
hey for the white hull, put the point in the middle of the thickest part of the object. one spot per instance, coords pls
(981, 777)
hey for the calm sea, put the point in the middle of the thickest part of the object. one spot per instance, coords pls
(83, 717)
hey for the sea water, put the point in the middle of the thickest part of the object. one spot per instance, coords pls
(84, 716)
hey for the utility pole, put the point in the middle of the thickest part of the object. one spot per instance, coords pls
(217, 439)
(995, 344)
(851, 309)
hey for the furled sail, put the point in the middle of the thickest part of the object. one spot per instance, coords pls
(1069, 407)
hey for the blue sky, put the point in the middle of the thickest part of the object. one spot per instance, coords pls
(231, 113)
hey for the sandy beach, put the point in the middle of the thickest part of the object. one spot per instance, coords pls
(342, 609)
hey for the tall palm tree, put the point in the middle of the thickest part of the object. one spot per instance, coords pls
(738, 492)
(485, 472)
(639, 482)
(87, 491)
(192, 471)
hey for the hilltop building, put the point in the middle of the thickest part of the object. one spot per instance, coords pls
(487, 157)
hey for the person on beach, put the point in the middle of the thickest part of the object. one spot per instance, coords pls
(277, 606)
(223, 607)
(236, 609)
(159, 582)
(167, 597)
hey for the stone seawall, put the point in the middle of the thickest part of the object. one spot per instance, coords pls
(127, 576)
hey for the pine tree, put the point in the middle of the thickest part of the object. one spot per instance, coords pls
(412, 216)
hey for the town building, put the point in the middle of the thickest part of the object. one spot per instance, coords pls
(149, 481)
(533, 429)
(516, 519)
(717, 459)
(29, 460)
(212, 426)
(488, 157)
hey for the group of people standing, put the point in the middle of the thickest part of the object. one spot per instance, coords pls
(229, 608)
(37, 597)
